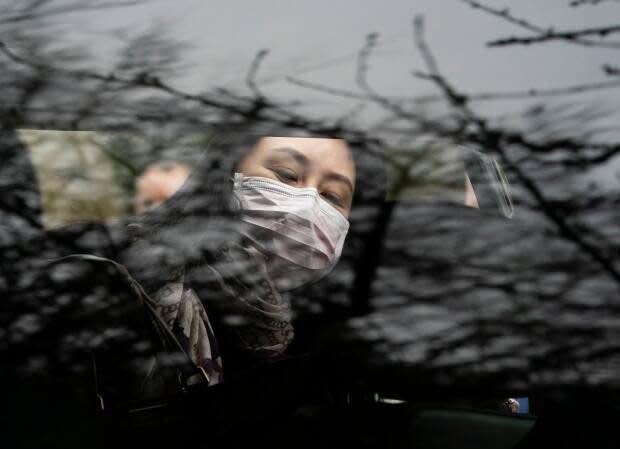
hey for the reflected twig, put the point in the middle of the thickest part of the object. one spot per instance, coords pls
(252, 72)
(545, 34)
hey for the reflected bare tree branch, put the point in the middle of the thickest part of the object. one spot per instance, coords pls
(429, 297)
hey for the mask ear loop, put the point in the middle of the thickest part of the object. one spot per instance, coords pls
(235, 200)
(237, 178)
(331, 211)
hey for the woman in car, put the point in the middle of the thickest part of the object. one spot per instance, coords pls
(217, 264)
(205, 275)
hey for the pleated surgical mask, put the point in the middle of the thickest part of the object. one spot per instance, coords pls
(300, 232)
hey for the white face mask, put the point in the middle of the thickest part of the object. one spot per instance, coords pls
(300, 233)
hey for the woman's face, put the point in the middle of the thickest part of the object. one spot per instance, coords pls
(325, 164)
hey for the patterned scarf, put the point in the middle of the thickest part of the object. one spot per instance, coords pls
(237, 278)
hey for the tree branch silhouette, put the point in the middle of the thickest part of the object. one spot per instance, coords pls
(576, 3)
(494, 139)
(533, 92)
(251, 76)
(545, 34)
(36, 10)
(245, 108)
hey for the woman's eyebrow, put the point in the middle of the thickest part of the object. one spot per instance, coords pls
(300, 158)
(333, 176)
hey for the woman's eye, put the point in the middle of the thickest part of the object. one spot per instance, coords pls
(286, 175)
(334, 199)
